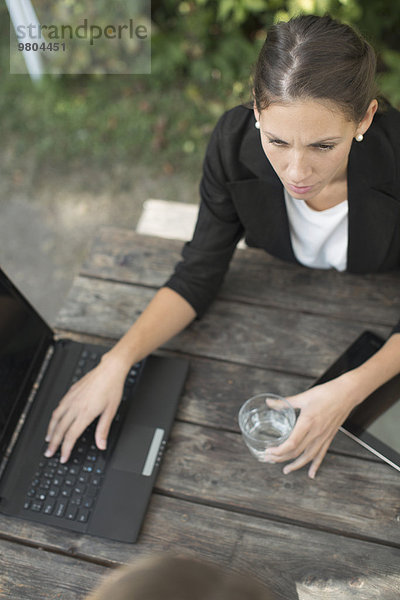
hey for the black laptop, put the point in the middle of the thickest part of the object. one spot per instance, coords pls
(102, 493)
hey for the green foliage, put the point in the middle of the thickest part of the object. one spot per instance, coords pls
(389, 80)
(239, 10)
(202, 55)
(193, 38)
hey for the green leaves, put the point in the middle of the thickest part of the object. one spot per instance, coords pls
(389, 79)
(239, 10)
(202, 56)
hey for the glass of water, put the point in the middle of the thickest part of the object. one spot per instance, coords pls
(266, 420)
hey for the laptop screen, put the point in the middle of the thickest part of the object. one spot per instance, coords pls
(24, 338)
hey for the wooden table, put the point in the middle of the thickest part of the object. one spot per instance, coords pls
(275, 327)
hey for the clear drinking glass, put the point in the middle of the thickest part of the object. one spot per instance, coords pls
(266, 420)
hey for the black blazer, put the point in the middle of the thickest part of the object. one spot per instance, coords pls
(241, 195)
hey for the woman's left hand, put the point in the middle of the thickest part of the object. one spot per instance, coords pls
(323, 409)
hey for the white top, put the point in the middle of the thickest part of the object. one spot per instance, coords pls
(319, 237)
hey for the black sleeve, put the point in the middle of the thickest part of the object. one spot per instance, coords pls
(206, 257)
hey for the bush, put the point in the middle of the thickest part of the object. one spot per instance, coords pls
(202, 54)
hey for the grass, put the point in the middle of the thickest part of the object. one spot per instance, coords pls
(162, 122)
(100, 119)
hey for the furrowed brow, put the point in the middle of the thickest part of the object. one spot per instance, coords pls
(319, 142)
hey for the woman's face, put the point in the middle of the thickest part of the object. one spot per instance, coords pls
(308, 144)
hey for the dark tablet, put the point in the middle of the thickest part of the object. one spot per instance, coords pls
(375, 423)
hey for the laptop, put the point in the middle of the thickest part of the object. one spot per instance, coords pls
(101, 493)
(375, 423)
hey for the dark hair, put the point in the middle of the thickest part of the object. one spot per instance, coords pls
(173, 577)
(319, 58)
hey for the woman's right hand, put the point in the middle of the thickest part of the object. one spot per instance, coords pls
(98, 393)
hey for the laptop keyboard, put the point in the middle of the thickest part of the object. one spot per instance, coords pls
(69, 491)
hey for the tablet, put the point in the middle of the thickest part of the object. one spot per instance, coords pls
(375, 423)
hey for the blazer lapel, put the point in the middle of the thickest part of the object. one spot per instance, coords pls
(260, 201)
(373, 219)
(374, 213)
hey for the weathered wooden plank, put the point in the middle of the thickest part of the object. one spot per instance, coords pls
(213, 466)
(28, 574)
(214, 392)
(265, 337)
(283, 556)
(327, 574)
(348, 495)
(254, 277)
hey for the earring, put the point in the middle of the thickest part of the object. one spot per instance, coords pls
(257, 124)
(359, 137)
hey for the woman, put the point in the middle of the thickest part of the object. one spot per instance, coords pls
(309, 174)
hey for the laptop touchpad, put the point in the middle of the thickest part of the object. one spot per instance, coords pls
(138, 449)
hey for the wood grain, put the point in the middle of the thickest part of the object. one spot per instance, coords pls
(29, 574)
(271, 338)
(215, 390)
(254, 277)
(284, 557)
(215, 467)
(274, 327)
